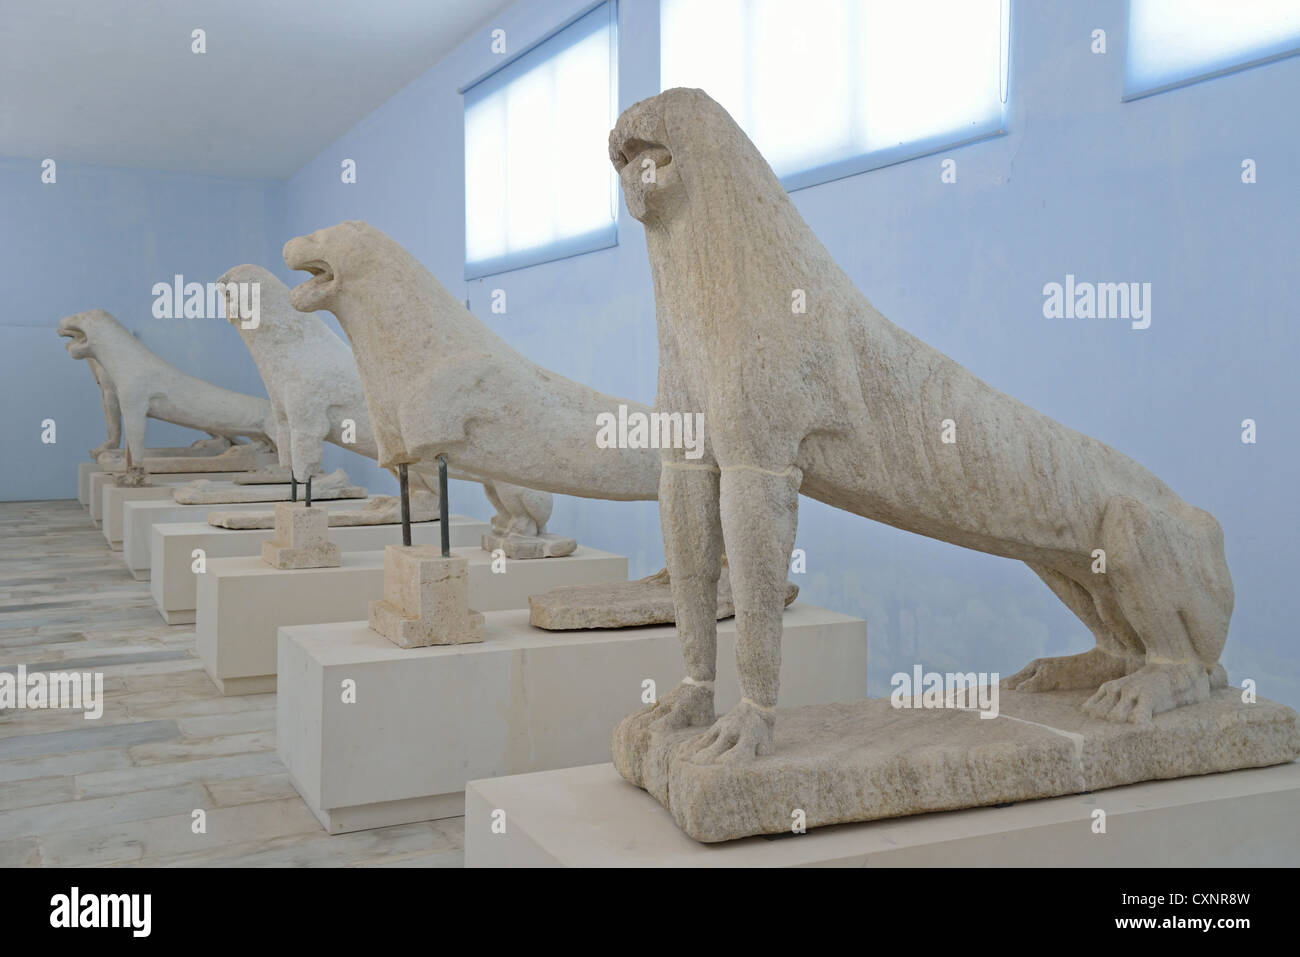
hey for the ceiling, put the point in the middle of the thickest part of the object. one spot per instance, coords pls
(115, 81)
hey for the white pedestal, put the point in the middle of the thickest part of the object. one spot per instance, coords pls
(174, 585)
(98, 481)
(591, 817)
(112, 511)
(427, 720)
(242, 602)
(138, 519)
(83, 481)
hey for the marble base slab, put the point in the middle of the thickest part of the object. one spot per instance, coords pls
(427, 720)
(237, 458)
(230, 495)
(242, 602)
(138, 519)
(175, 588)
(865, 760)
(116, 458)
(591, 817)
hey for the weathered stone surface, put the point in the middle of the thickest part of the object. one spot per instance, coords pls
(316, 391)
(206, 492)
(646, 601)
(438, 381)
(379, 510)
(132, 478)
(266, 475)
(529, 546)
(114, 460)
(147, 387)
(237, 458)
(866, 760)
(806, 387)
(301, 539)
(426, 599)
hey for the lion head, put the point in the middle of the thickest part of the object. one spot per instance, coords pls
(678, 145)
(79, 328)
(247, 289)
(727, 250)
(334, 255)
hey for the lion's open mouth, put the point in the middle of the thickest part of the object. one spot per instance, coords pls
(311, 291)
(321, 274)
(78, 344)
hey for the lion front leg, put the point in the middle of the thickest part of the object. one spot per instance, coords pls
(759, 510)
(134, 425)
(692, 533)
(112, 420)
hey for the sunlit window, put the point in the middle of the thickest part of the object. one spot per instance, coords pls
(538, 184)
(1174, 42)
(827, 88)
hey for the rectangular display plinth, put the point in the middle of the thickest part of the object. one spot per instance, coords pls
(591, 817)
(242, 602)
(98, 482)
(84, 469)
(138, 519)
(113, 509)
(174, 584)
(373, 734)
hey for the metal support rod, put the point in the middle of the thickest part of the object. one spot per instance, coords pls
(443, 524)
(293, 488)
(308, 491)
(406, 504)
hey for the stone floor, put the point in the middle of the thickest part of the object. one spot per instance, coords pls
(122, 790)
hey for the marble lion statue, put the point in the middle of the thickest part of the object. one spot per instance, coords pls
(112, 444)
(147, 387)
(312, 379)
(844, 406)
(439, 381)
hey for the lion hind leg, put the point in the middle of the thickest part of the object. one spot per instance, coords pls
(1108, 660)
(1172, 585)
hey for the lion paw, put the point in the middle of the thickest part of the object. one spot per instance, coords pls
(134, 477)
(744, 733)
(1153, 688)
(686, 706)
(1090, 669)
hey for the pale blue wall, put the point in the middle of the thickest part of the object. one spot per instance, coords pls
(100, 237)
(1148, 191)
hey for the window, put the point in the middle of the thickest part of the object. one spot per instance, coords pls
(538, 183)
(828, 88)
(1175, 42)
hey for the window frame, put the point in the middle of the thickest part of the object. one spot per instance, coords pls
(829, 172)
(1133, 92)
(603, 238)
